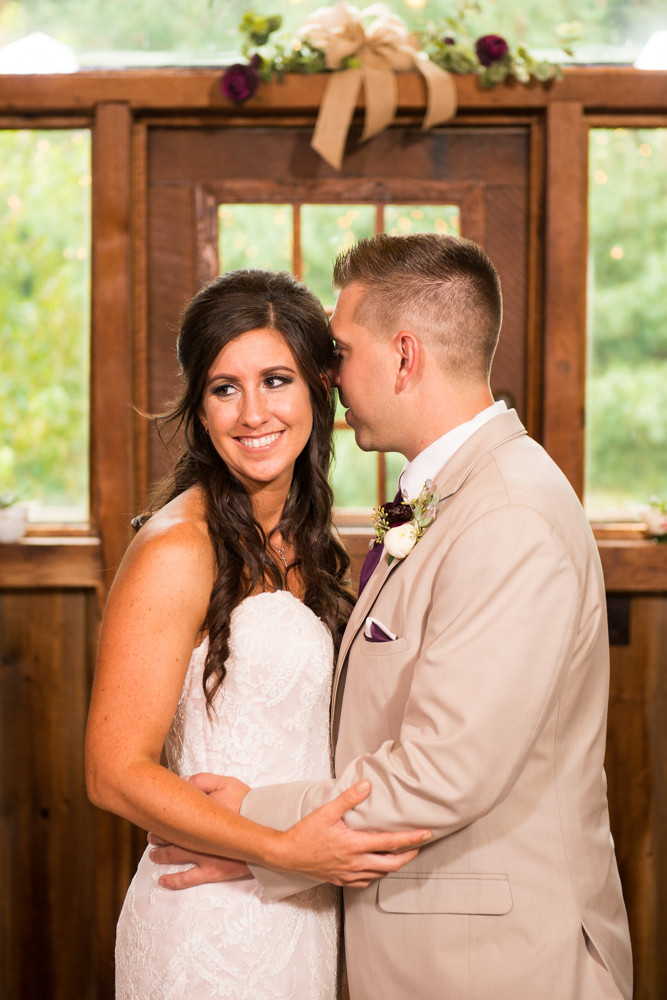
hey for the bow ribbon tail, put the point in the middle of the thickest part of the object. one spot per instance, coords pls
(380, 93)
(335, 115)
(442, 97)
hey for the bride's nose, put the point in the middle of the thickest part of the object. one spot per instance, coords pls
(254, 408)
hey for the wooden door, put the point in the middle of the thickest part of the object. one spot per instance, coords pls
(484, 170)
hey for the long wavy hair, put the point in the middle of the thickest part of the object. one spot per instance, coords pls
(226, 308)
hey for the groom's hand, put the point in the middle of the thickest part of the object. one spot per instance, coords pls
(230, 792)
(324, 848)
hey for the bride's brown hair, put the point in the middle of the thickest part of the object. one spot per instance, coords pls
(229, 306)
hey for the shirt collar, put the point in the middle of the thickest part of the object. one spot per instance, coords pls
(428, 463)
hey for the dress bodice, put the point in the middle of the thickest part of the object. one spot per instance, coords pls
(270, 720)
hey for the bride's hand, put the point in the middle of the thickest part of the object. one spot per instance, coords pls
(323, 847)
(229, 792)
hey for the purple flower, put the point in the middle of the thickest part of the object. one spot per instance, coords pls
(239, 82)
(397, 513)
(491, 48)
(448, 40)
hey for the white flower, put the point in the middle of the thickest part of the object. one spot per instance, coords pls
(399, 541)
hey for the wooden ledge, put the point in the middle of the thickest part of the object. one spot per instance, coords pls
(634, 566)
(51, 562)
(597, 88)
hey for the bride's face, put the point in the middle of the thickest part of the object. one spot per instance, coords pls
(256, 407)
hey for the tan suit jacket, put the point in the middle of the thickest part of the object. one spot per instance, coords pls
(485, 722)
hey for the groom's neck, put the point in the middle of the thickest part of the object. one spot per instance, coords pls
(438, 410)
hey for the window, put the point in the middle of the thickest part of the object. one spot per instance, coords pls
(44, 330)
(113, 33)
(626, 405)
(305, 239)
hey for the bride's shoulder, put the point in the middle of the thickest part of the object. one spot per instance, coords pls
(177, 533)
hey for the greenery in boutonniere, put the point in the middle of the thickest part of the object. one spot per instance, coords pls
(400, 525)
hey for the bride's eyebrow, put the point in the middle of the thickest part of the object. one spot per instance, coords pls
(221, 376)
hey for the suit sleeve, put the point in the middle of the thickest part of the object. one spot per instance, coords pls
(494, 657)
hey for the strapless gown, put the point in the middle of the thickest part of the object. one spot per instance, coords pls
(271, 724)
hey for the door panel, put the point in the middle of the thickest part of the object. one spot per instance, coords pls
(483, 170)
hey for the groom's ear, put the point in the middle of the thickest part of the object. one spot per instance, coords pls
(409, 356)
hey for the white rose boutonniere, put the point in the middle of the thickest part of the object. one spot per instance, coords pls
(401, 540)
(400, 525)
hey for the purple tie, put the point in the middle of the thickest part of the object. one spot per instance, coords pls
(373, 557)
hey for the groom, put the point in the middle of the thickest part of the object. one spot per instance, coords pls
(471, 687)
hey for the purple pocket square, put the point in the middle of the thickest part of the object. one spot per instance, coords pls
(375, 632)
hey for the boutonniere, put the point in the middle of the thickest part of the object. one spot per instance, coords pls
(400, 525)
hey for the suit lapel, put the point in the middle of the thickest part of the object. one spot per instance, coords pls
(451, 478)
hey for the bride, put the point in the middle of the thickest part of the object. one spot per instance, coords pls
(217, 653)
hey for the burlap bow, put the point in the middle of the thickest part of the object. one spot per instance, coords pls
(382, 48)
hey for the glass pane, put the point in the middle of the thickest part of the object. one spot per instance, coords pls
(401, 219)
(147, 33)
(626, 416)
(325, 231)
(44, 333)
(354, 473)
(256, 236)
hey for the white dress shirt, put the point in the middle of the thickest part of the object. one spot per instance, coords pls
(428, 463)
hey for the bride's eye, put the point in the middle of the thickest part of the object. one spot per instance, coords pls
(276, 381)
(224, 391)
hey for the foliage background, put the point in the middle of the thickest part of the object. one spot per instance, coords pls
(627, 384)
(44, 315)
(209, 26)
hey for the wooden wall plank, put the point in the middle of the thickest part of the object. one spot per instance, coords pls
(46, 822)
(111, 353)
(180, 90)
(636, 766)
(565, 290)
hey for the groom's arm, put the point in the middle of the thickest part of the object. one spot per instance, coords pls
(497, 646)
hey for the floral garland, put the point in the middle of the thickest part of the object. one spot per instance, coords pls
(447, 44)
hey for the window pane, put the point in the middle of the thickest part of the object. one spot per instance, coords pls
(354, 473)
(626, 418)
(256, 236)
(148, 33)
(325, 231)
(401, 219)
(44, 329)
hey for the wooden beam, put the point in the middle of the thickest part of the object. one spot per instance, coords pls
(597, 88)
(565, 290)
(111, 356)
(42, 562)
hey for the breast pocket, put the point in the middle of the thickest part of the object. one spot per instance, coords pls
(387, 649)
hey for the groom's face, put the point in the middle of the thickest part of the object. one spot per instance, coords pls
(365, 375)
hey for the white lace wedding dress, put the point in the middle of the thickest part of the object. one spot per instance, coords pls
(228, 939)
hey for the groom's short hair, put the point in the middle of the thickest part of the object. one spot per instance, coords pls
(444, 289)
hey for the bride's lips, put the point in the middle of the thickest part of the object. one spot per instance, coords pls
(261, 443)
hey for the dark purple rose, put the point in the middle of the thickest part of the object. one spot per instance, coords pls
(397, 513)
(448, 40)
(239, 82)
(491, 48)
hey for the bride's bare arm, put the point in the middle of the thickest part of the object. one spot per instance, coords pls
(154, 615)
